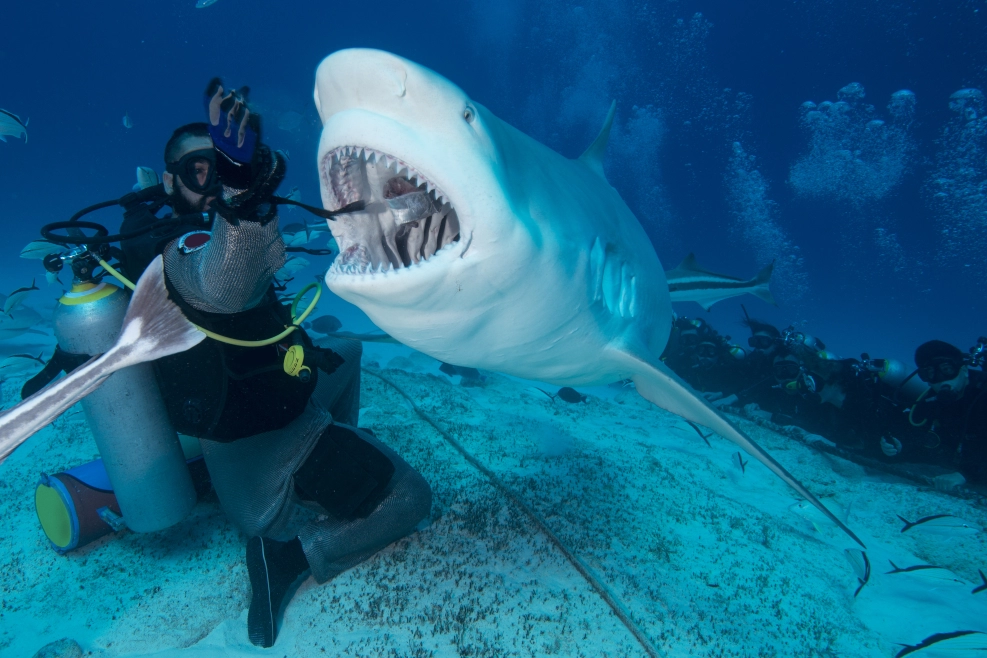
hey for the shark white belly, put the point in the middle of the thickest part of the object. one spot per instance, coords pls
(482, 247)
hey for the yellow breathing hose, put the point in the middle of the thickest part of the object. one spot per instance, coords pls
(912, 410)
(295, 320)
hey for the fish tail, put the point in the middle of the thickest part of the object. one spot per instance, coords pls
(761, 283)
(908, 524)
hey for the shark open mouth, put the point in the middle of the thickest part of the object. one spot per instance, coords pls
(407, 220)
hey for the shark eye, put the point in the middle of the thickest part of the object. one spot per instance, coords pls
(469, 114)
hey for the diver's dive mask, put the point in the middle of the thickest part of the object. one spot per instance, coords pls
(940, 369)
(197, 170)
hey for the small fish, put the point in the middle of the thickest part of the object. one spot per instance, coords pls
(154, 327)
(861, 566)
(738, 460)
(40, 248)
(19, 321)
(15, 298)
(955, 641)
(926, 572)
(326, 324)
(294, 195)
(146, 177)
(470, 374)
(52, 277)
(571, 395)
(691, 283)
(704, 437)
(127, 123)
(983, 586)
(17, 364)
(813, 515)
(941, 524)
(202, 4)
(290, 267)
(12, 126)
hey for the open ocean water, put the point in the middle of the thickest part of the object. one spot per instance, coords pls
(845, 141)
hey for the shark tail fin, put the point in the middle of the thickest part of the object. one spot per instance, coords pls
(761, 283)
(593, 156)
(154, 326)
(662, 387)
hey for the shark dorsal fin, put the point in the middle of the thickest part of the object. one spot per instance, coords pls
(597, 151)
(689, 264)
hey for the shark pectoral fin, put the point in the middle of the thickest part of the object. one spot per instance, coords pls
(594, 156)
(707, 305)
(662, 387)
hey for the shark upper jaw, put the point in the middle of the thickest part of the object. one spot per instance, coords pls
(409, 229)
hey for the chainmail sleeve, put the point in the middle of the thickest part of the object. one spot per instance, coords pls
(232, 271)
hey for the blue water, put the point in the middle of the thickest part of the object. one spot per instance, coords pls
(710, 148)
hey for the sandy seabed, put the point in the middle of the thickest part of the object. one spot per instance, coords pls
(698, 557)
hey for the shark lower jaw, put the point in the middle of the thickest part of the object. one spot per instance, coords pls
(407, 225)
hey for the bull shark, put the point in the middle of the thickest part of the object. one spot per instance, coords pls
(691, 283)
(153, 327)
(480, 246)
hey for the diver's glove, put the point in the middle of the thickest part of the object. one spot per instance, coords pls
(249, 172)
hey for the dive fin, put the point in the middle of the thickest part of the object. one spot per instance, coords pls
(594, 156)
(662, 387)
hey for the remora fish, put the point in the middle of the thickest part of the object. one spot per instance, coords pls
(12, 126)
(956, 641)
(15, 298)
(154, 327)
(940, 524)
(691, 283)
(925, 571)
(529, 264)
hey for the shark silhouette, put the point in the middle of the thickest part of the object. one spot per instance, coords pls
(481, 247)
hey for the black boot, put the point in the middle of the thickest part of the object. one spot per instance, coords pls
(276, 570)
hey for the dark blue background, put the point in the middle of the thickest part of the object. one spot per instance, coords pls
(550, 69)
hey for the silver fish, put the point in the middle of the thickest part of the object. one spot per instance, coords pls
(202, 4)
(861, 566)
(941, 524)
(925, 572)
(40, 248)
(19, 321)
(15, 298)
(154, 327)
(16, 364)
(127, 123)
(12, 126)
(146, 177)
(955, 641)
(691, 283)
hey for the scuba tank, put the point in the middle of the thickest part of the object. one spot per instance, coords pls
(138, 445)
(906, 387)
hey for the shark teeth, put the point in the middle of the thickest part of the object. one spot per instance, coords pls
(404, 224)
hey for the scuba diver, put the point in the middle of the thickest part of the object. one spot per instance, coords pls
(953, 412)
(276, 418)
